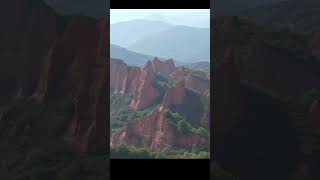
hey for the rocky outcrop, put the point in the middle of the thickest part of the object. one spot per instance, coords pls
(87, 85)
(48, 56)
(119, 74)
(175, 94)
(25, 41)
(77, 68)
(196, 84)
(186, 102)
(145, 93)
(205, 119)
(156, 132)
(180, 72)
(133, 80)
(191, 82)
(163, 67)
(138, 81)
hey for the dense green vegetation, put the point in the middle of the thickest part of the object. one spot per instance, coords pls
(183, 125)
(121, 113)
(201, 75)
(200, 66)
(130, 152)
(192, 108)
(174, 117)
(162, 83)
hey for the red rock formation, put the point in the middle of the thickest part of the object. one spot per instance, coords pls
(134, 79)
(197, 85)
(25, 41)
(119, 75)
(145, 93)
(87, 87)
(45, 59)
(137, 81)
(205, 119)
(175, 94)
(156, 132)
(180, 72)
(77, 68)
(163, 67)
(191, 82)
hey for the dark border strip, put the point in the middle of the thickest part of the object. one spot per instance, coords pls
(160, 4)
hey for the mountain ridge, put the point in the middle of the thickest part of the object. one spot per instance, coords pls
(125, 33)
(162, 44)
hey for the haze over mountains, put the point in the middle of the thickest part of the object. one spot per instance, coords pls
(195, 19)
(129, 57)
(128, 32)
(136, 59)
(183, 43)
(159, 36)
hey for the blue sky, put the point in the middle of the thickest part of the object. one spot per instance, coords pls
(188, 17)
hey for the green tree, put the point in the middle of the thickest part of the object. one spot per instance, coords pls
(202, 131)
(174, 117)
(184, 126)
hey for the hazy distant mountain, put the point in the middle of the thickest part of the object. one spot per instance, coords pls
(133, 58)
(126, 33)
(182, 43)
(194, 19)
(129, 57)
